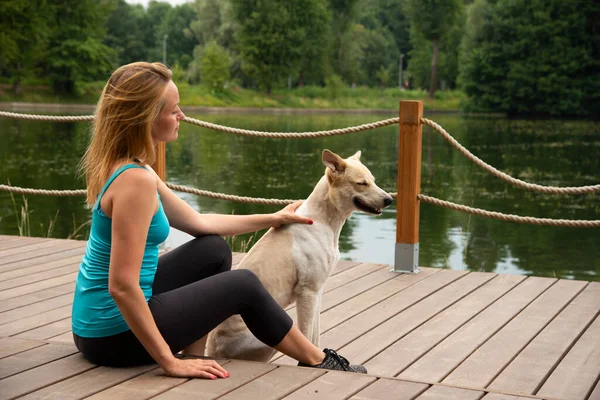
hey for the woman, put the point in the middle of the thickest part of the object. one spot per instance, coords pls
(132, 307)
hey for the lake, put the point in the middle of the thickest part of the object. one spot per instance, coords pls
(549, 152)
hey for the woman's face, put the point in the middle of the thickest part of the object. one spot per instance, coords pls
(167, 125)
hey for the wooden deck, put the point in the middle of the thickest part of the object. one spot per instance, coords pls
(439, 334)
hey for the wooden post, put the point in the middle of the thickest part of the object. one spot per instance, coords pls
(409, 186)
(160, 165)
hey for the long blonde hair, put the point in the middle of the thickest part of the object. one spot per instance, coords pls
(130, 103)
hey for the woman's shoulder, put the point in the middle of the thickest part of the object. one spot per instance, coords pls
(135, 176)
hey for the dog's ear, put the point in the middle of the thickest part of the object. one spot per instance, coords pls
(356, 156)
(333, 161)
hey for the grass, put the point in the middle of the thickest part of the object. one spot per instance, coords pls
(24, 221)
(308, 97)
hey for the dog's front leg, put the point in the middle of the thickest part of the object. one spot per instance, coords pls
(307, 306)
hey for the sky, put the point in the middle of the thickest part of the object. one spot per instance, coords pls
(145, 2)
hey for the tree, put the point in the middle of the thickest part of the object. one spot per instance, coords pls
(271, 37)
(214, 69)
(433, 19)
(75, 52)
(23, 38)
(536, 57)
(174, 25)
(124, 32)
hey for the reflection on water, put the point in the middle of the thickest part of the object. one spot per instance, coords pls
(549, 152)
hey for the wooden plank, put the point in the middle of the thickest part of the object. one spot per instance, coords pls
(34, 269)
(595, 395)
(39, 276)
(332, 386)
(350, 275)
(385, 389)
(492, 357)
(361, 323)
(380, 337)
(275, 384)
(344, 265)
(142, 387)
(365, 300)
(47, 331)
(45, 259)
(15, 241)
(10, 346)
(241, 372)
(47, 246)
(23, 361)
(414, 345)
(578, 372)
(354, 288)
(351, 289)
(450, 393)
(498, 396)
(37, 286)
(66, 337)
(37, 378)
(88, 383)
(527, 372)
(36, 308)
(48, 250)
(37, 296)
(448, 354)
(35, 321)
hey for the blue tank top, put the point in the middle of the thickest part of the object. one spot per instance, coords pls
(95, 313)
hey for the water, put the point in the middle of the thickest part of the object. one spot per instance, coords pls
(548, 152)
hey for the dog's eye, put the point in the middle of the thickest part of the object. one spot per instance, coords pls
(363, 183)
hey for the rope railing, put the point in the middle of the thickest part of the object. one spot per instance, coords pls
(283, 202)
(499, 174)
(258, 200)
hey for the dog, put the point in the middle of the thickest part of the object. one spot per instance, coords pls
(294, 261)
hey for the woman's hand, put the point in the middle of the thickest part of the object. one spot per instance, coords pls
(195, 368)
(288, 216)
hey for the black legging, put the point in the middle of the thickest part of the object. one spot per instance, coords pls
(195, 290)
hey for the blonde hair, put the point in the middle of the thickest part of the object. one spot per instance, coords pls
(129, 105)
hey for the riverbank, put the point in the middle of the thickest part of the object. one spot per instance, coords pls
(196, 98)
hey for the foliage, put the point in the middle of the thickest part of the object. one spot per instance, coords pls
(433, 20)
(214, 69)
(535, 57)
(273, 35)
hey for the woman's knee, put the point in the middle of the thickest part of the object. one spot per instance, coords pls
(218, 247)
(248, 280)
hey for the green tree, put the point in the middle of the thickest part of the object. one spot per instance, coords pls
(23, 39)
(215, 67)
(76, 53)
(124, 32)
(448, 61)
(535, 57)
(271, 37)
(433, 19)
(175, 24)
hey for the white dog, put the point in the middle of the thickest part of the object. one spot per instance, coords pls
(294, 261)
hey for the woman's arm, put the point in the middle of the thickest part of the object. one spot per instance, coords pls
(133, 203)
(183, 217)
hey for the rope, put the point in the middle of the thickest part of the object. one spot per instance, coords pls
(221, 128)
(506, 177)
(510, 217)
(20, 190)
(54, 118)
(222, 196)
(260, 200)
(293, 135)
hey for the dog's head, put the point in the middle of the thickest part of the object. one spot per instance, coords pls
(352, 186)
